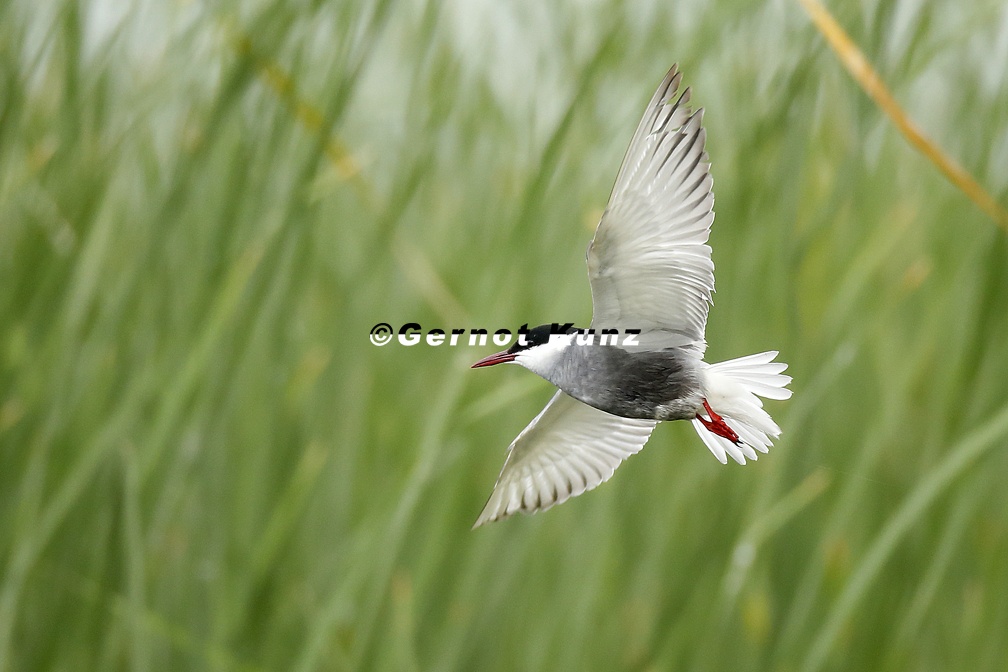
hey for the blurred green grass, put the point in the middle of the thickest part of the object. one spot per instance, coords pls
(205, 465)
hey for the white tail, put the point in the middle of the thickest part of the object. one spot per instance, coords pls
(733, 390)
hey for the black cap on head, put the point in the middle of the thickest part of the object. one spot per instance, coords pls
(538, 336)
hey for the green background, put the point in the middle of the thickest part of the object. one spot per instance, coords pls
(204, 463)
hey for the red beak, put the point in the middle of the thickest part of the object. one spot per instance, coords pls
(498, 358)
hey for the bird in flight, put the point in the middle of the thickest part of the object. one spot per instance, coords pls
(651, 277)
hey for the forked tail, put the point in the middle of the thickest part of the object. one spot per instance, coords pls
(733, 390)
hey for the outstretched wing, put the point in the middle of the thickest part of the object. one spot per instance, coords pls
(649, 263)
(568, 449)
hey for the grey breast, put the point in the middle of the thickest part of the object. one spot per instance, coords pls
(654, 384)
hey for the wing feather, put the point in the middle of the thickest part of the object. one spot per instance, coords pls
(568, 449)
(649, 263)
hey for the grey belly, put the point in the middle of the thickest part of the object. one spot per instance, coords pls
(658, 385)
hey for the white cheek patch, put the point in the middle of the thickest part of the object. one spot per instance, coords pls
(541, 358)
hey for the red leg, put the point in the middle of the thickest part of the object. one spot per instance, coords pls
(717, 425)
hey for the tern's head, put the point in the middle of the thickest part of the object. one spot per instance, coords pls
(538, 350)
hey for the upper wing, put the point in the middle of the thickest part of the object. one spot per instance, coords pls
(649, 263)
(569, 448)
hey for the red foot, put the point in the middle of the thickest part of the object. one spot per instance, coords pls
(717, 425)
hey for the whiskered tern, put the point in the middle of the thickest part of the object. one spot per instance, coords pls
(651, 277)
